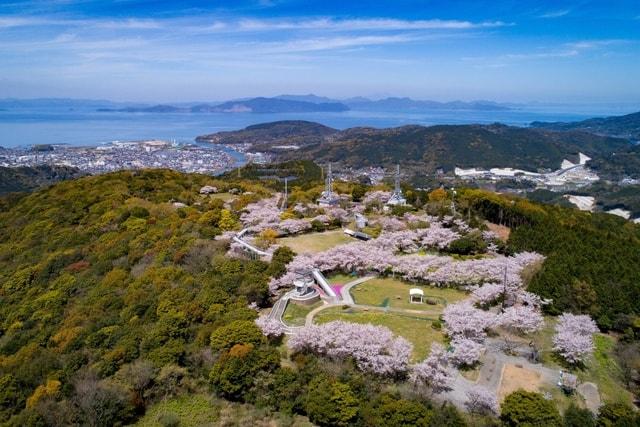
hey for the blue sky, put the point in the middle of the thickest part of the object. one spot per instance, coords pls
(166, 51)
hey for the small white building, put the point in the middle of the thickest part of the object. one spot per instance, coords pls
(416, 296)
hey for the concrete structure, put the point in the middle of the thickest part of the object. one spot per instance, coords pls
(304, 291)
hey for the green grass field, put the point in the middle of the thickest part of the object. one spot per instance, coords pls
(600, 369)
(191, 410)
(201, 410)
(341, 279)
(316, 242)
(395, 293)
(295, 314)
(415, 329)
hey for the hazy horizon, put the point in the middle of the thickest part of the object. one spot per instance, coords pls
(545, 51)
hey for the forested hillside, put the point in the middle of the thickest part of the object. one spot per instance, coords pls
(29, 178)
(627, 126)
(464, 146)
(593, 260)
(100, 272)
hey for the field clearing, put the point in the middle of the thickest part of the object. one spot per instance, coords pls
(515, 378)
(294, 314)
(600, 369)
(191, 411)
(416, 330)
(202, 410)
(225, 197)
(316, 242)
(394, 293)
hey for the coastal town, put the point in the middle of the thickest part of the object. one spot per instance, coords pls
(119, 155)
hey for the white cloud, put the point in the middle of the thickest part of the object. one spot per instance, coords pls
(555, 14)
(332, 43)
(379, 24)
(130, 24)
(594, 44)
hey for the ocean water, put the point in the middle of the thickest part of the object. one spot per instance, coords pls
(80, 128)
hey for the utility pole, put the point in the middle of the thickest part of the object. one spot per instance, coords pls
(286, 194)
(504, 286)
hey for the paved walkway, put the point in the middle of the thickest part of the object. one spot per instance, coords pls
(493, 361)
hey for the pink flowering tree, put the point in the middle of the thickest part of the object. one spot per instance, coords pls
(373, 348)
(271, 328)
(434, 373)
(465, 321)
(519, 320)
(466, 352)
(481, 401)
(294, 226)
(573, 339)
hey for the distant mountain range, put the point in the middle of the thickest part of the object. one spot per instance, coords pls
(278, 104)
(627, 126)
(424, 148)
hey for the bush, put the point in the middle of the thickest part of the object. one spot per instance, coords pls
(618, 415)
(578, 417)
(234, 373)
(331, 403)
(470, 244)
(236, 332)
(524, 408)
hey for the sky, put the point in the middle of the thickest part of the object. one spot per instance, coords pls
(193, 50)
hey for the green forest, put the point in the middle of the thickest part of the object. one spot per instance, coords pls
(116, 300)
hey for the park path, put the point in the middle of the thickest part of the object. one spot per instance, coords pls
(493, 361)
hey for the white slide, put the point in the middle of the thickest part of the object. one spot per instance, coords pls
(323, 283)
(248, 246)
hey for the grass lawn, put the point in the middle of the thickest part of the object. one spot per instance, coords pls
(600, 369)
(603, 370)
(416, 330)
(201, 410)
(191, 410)
(316, 242)
(295, 314)
(395, 293)
(341, 279)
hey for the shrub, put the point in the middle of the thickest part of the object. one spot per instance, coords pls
(524, 408)
(236, 332)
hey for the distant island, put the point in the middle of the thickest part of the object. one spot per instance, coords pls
(425, 148)
(627, 126)
(253, 105)
(311, 104)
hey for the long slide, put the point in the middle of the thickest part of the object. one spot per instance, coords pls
(323, 283)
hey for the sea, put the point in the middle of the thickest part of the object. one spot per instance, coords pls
(77, 127)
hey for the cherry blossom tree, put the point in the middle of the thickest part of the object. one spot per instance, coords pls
(481, 401)
(434, 372)
(373, 348)
(521, 319)
(466, 352)
(488, 293)
(574, 337)
(465, 321)
(271, 328)
(294, 226)
(378, 197)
